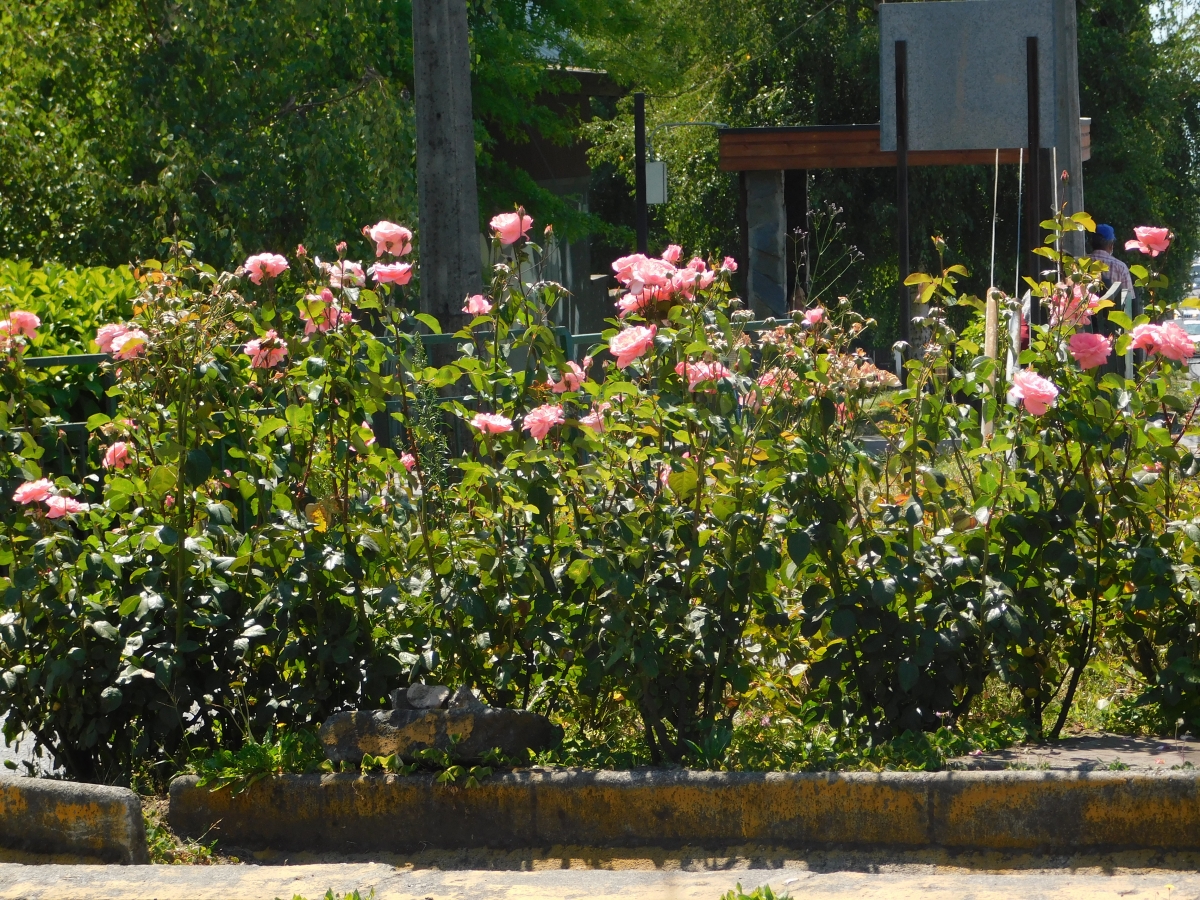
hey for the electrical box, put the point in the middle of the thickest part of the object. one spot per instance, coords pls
(656, 181)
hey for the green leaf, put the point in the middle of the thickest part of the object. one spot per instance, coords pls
(429, 322)
(99, 420)
(219, 514)
(368, 300)
(683, 483)
(1120, 319)
(110, 698)
(799, 545)
(196, 467)
(579, 570)
(106, 630)
(162, 480)
(445, 377)
(843, 624)
(269, 426)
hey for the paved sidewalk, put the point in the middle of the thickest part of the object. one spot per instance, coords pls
(880, 882)
(1111, 752)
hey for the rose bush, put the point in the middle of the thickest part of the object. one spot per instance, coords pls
(271, 528)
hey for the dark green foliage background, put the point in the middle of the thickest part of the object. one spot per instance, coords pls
(252, 126)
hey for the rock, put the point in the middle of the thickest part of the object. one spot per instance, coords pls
(399, 698)
(464, 698)
(346, 736)
(428, 696)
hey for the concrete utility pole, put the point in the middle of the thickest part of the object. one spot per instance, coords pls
(448, 203)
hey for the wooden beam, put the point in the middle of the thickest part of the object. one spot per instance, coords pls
(832, 147)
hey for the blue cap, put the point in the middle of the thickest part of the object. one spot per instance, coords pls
(1106, 233)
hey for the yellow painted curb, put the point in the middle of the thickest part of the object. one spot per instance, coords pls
(1015, 810)
(61, 818)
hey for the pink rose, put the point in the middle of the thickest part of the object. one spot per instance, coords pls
(1090, 350)
(814, 316)
(672, 253)
(106, 334)
(129, 345)
(300, 251)
(396, 273)
(267, 351)
(408, 461)
(63, 506)
(1036, 392)
(572, 376)
(698, 373)
(390, 238)
(1175, 343)
(345, 273)
(33, 491)
(320, 313)
(650, 273)
(1072, 306)
(729, 264)
(264, 265)
(1145, 337)
(631, 343)
(23, 323)
(538, 422)
(477, 305)
(595, 419)
(492, 423)
(1169, 340)
(511, 227)
(635, 303)
(771, 384)
(117, 456)
(623, 266)
(1151, 241)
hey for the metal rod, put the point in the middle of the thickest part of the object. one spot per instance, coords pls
(639, 177)
(1033, 205)
(902, 182)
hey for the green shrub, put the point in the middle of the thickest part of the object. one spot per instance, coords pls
(72, 303)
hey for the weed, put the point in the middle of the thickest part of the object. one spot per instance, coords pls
(763, 892)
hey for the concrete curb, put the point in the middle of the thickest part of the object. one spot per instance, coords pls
(1011, 811)
(65, 818)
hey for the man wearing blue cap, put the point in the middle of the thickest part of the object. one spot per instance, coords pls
(1118, 272)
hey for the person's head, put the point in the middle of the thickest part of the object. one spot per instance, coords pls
(1105, 238)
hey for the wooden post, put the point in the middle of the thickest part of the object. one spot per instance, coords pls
(991, 346)
(902, 183)
(447, 200)
(1033, 175)
(639, 176)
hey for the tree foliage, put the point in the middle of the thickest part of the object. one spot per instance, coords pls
(248, 125)
(816, 63)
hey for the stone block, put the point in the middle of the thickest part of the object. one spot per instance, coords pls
(64, 818)
(405, 732)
